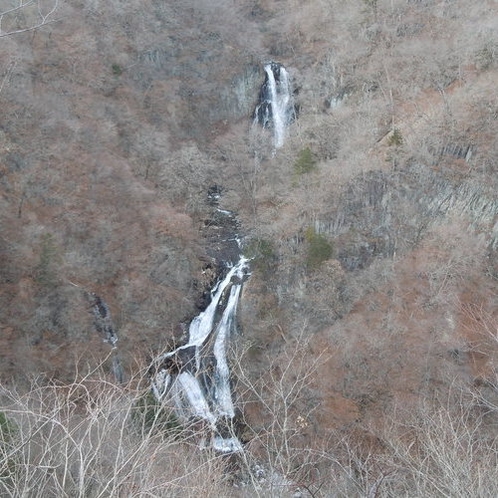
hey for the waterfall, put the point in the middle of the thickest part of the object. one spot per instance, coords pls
(104, 325)
(276, 107)
(195, 376)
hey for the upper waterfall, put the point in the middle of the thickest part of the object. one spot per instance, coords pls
(275, 108)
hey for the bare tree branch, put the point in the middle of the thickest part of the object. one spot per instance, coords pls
(33, 7)
(7, 74)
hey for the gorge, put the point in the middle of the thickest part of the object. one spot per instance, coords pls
(195, 376)
(352, 149)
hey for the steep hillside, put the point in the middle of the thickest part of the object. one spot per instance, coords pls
(104, 186)
(373, 229)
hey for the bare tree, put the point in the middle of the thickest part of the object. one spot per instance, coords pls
(27, 15)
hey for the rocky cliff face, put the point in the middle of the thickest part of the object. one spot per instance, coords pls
(376, 241)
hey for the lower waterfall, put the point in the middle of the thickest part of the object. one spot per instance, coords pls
(195, 377)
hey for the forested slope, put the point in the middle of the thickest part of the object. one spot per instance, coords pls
(373, 228)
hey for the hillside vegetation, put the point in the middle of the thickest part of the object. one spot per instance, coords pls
(371, 309)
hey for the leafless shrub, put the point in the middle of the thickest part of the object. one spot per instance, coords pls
(443, 449)
(82, 439)
(278, 408)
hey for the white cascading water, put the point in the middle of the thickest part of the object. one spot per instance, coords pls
(197, 389)
(279, 101)
(276, 106)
